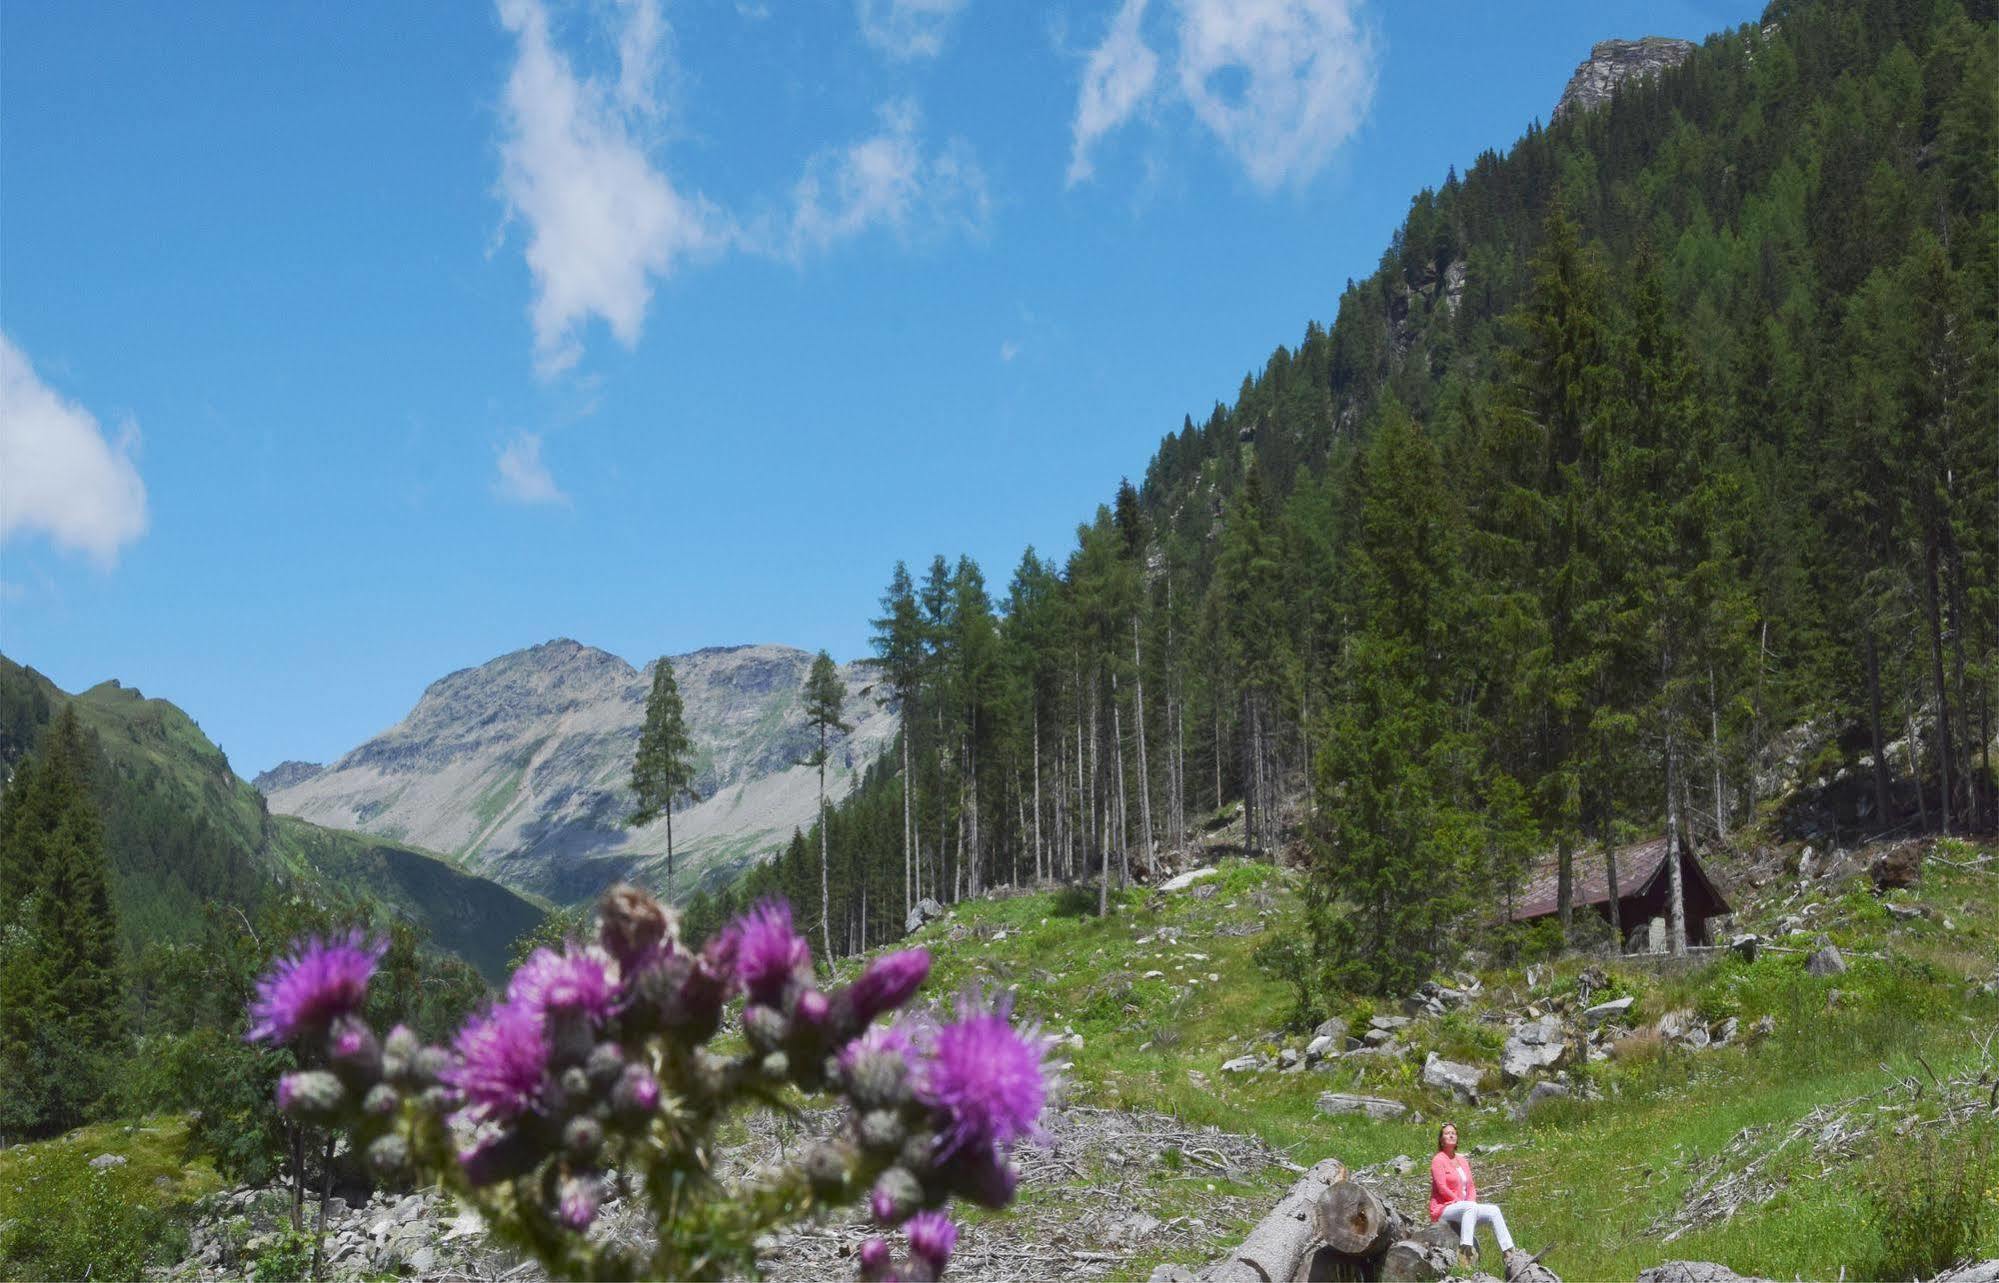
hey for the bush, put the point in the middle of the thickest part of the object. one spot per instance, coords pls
(1289, 958)
(286, 1260)
(1930, 1199)
(60, 1218)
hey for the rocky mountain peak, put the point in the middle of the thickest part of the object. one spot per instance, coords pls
(284, 775)
(1611, 63)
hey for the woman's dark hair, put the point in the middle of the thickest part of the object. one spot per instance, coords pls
(1440, 1134)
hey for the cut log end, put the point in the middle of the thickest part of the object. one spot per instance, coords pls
(1350, 1219)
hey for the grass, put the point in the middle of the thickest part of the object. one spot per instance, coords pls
(62, 1218)
(1593, 1177)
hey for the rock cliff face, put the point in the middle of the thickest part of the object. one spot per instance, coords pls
(1612, 63)
(521, 767)
(285, 775)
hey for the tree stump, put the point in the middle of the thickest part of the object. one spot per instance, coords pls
(1276, 1248)
(1351, 1220)
(1325, 1265)
(1417, 1260)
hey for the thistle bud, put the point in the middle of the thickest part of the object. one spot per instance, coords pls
(764, 1027)
(982, 1176)
(889, 982)
(400, 1052)
(827, 1165)
(810, 1009)
(606, 1063)
(880, 1131)
(388, 1155)
(896, 1195)
(932, 1238)
(579, 1199)
(575, 1083)
(582, 1137)
(311, 1096)
(497, 1156)
(776, 1066)
(382, 1101)
(634, 928)
(353, 1052)
(431, 1062)
(636, 1095)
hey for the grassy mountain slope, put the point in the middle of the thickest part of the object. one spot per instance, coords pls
(1806, 1115)
(184, 832)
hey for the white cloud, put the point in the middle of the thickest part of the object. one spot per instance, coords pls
(887, 180)
(58, 473)
(1119, 76)
(524, 478)
(603, 222)
(907, 28)
(1282, 83)
(1009, 350)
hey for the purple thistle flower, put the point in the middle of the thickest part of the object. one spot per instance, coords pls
(320, 981)
(888, 982)
(984, 1077)
(573, 980)
(875, 1259)
(768, 953)
(812, 1009)
(502, 1062)
(882, 1203)
(932, 1238)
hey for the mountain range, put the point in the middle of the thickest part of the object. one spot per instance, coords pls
(519, 768)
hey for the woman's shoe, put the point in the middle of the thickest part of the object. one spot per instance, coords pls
(1468, 1257)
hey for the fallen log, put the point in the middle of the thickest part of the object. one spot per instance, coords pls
(1417, 1260)
(1275, 1250)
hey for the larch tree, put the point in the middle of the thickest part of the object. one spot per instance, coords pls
(663, 771)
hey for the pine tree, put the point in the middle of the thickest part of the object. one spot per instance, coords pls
(825, 694)
(663, 771)
(61, 983)
(898, 643)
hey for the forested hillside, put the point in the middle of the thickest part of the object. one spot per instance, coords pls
(1651, 473)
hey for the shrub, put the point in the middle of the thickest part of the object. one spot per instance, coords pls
(1289, 958)
(1930, 1196)
(286, 1260)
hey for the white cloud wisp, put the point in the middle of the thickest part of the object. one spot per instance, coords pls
(1119, 77)
(907, 29)
(603, 222)
(887, 180)
(58, 473)
(523, 477)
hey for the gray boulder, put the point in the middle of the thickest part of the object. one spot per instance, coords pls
(1826, 962)
(1339, 1102)
(926, 910)
(1448, 1075)
(1615, 1009)
(1533, 1047)
(1244, 1064)
(103, 1161)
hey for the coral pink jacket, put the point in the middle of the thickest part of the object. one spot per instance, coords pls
(1450, 1182)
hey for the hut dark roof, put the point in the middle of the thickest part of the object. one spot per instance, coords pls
(1641, 872)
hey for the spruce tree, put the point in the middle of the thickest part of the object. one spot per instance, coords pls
(663, 771)
(61, 983)
(825, 694)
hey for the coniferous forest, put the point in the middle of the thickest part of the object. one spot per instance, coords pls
(1654, 465)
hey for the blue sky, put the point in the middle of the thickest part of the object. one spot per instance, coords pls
(345, 346)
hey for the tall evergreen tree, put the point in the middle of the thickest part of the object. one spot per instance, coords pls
(663, 771)
(825, 695)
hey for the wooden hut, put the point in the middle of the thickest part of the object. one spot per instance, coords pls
(1643, 884)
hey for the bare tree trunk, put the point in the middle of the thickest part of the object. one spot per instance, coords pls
(1117, 745)
(1038, 871)
(669, 850)
(325, 1192)
(1714, 741)
(295, 1136)
(1916, 770)
(908, 787)
(1138, 711)
(977, 876)
(1606, 833)
(1881, 795)
(825, 884)
(1944, 745)
(1676, 895)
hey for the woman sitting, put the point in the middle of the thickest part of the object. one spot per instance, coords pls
(1454, 1198)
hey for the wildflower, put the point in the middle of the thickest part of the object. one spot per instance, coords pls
(574, 980)
(311, 1095)
(768, 953)
(932, 1236)
(502, 1062)
(320, 981)
(896, 1194)
(984, 1077)
(888, 982)
(634, 928)
(874, 1258)
(497, 1155)
(579, 1200)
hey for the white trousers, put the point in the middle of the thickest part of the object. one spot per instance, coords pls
(1464, 1217)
